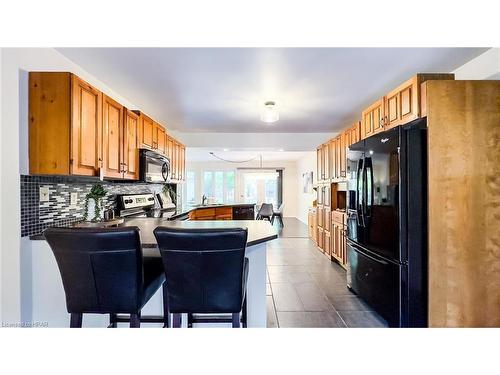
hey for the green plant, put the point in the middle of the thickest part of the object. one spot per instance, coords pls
(97, 192)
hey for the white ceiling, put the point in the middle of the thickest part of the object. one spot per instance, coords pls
(203, 154)
(224, 89)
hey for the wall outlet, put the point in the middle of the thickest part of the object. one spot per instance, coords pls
(44, 194)
(73, 199)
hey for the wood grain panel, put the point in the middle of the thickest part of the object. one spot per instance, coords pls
(464, 203)
(130, 146)
(49, 122)
(113, 133)
(86, 128)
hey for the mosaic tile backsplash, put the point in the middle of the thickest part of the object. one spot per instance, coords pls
(37, 216)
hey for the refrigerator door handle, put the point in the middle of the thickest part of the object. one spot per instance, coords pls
(357, 249)
(369, 187)
(360, 189)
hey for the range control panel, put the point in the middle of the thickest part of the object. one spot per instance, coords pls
(137, 200)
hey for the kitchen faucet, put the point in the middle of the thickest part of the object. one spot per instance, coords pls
(203, 199)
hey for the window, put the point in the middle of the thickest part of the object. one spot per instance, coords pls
(219, 185)
(190, 187)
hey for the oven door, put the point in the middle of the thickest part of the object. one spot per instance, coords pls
(154, 168)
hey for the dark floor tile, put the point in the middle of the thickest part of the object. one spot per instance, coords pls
(345, 302)
(272, 321)
(362, 319)
(312, 297)
(286, 297)
(323, 319)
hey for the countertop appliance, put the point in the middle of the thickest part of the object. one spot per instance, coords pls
(387, 223)
(154, 167)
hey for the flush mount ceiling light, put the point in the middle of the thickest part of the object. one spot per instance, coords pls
(270, 114)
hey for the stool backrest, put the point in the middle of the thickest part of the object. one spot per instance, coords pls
(266, 209)
(204, 268)
(101, 269)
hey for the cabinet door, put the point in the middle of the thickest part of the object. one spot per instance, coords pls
(112, 138)
(335, 240)
(373, 119)
(160, 138)
(321, 238)
(326, 161)
(327, 243)
(130, 146)
(146, 132)
(182, 164)
(401, 104)
(332, 159)
(86, 129)
(319, 163)
(319, 213)
(343, 154)
(338, 148)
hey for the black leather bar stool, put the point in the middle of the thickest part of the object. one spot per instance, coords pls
(103, 272)
(206, 271)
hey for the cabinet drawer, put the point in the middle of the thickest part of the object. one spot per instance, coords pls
(338, 217)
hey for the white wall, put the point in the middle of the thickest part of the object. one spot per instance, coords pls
(15, 257)
(484, 66)
(289, 179)
(260, 141)
(304, 200)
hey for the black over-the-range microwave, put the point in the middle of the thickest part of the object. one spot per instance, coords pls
(154, 167)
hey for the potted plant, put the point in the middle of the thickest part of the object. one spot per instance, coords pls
(97, 192)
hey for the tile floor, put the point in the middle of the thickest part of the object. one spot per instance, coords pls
(305, 289)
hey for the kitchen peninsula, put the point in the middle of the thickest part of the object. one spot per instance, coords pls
(47, 284)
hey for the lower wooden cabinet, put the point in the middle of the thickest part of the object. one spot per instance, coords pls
(327, 243)
(339, 240)
(321, 239)
(212, 213)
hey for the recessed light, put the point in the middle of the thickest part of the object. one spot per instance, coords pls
(280, 149)
(225, 149)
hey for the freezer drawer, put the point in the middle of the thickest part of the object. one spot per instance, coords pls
(376, 281)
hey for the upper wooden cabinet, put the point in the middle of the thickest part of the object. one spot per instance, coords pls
(146, 131)
(353, 134)
(113, 136)
(65, 125)
(160, 141)
(372, 119)
(130, 146)
(398, 107)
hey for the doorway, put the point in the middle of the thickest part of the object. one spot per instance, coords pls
(260, 186)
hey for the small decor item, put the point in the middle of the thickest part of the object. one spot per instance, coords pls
(307, 180)
(97, 192)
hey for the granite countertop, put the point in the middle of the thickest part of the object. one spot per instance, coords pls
(259, 231)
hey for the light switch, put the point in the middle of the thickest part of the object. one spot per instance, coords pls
(44, 194)
(73, 199)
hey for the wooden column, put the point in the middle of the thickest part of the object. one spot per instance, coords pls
(464, 203)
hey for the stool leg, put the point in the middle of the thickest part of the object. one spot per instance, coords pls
(244, 313)
(236, 320)
(190, 320)
(76, 320)
(166, 310)
(112, 320)
(135, 320)
(176, 320)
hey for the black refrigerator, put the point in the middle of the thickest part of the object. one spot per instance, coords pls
(387, 223)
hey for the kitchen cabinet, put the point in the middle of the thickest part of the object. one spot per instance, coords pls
(65, 125)
(327, 243)
(130, 146)
(321, 239)
(339, 240)
(372, 119)
(147, 135)
(312, 223)
(159, 139)
(326, 161)
(113, 136)
(353, 134)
